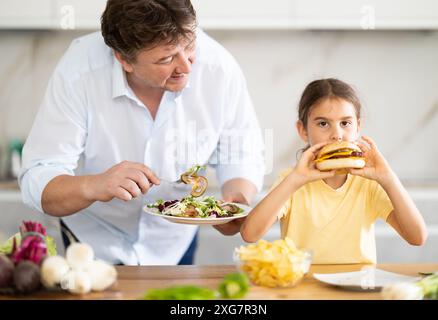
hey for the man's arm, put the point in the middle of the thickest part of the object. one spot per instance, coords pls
(237, 190)
(65, 195)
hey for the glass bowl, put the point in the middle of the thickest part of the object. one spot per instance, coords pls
(286, 272)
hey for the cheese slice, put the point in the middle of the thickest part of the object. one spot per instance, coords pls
(341, 153)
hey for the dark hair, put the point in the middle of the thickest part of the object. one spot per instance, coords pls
(129, 26)
(318, 90)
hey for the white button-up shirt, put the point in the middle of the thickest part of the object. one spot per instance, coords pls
(91, 120)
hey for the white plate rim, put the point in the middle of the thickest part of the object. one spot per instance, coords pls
(323, 278)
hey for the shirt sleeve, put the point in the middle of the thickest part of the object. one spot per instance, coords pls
(380, 203)
(57, 137)
(240, 150)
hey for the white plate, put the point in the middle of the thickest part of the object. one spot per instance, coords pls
(199, 221)
(368, 279)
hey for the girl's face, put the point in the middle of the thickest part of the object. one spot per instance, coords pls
(332, 119)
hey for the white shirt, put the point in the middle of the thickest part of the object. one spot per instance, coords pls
(90, 120)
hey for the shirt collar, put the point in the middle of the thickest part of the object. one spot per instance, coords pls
(120, 84)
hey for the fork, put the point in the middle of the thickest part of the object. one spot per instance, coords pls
(179, 181)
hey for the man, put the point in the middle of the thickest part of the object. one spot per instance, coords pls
(146, 99)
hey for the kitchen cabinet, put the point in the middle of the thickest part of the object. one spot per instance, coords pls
(242, 14)
(317, 14)
(26, 14)
(51, 14)
(78, 14)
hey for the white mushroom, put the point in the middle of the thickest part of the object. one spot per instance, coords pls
(76, 281)
(53, 269)
(79, 255)
(102, 275)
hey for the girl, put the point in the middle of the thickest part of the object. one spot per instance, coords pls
(329, 213)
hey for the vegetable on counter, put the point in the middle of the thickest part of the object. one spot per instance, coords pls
(21, 256)
(233, 286)
(78, 272)
(29, 259)
(6, 271)
(31, 243)
(424, 288)
(180, 293)
(27, 277)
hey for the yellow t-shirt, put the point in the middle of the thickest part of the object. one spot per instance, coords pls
(337, 225)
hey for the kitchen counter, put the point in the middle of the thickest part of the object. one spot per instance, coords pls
(133, 281)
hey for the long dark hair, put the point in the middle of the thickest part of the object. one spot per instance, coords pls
(318, 90)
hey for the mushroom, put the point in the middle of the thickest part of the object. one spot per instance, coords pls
(53, 269)
(79, 255)
(76, 281)
(102, 275)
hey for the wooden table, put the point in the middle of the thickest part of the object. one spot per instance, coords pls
(133, 281)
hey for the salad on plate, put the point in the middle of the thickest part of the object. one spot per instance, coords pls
(207, 207)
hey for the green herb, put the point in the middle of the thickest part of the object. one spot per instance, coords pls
(195, 169)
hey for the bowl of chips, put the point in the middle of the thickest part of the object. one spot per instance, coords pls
(273, 264)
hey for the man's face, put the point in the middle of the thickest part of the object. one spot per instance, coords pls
(164, 66)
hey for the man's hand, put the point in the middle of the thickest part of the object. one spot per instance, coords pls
(230, 228)
(238, 191)
(65, 195)
(125, 181)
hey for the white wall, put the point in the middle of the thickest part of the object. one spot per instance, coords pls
(395, 73)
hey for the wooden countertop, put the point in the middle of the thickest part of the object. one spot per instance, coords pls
(133, 281)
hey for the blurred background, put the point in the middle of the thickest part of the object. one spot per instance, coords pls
(386, 49)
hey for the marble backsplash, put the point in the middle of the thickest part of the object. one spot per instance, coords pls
(395, 73)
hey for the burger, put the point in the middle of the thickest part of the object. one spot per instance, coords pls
(340, 155)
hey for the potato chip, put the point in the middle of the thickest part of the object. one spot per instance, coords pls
(274, 264)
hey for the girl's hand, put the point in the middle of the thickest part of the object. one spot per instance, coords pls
(305, 171)
(376, 167)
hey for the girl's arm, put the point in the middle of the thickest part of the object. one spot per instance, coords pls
(264, 215)
(405, 218)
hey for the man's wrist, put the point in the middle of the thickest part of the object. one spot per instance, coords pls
(88, 188)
